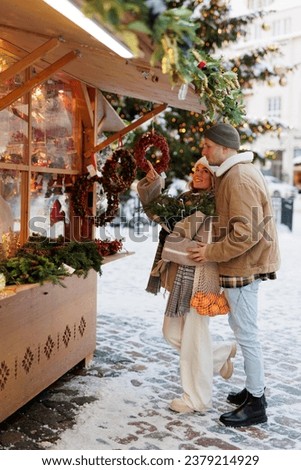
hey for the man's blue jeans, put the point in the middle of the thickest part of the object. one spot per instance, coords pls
(243, 303)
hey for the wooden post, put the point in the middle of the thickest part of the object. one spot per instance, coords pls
(30, 59)
(34, 81)
(126, 130)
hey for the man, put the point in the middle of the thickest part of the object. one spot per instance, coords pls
(246, 248)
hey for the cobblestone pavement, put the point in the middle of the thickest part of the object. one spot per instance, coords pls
(121, 401)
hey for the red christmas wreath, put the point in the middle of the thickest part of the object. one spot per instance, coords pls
(110, 212)
(152, 139)
(79, 195)
(119, 171)
(82, 186)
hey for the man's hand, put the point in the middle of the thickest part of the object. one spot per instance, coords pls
(197, 253)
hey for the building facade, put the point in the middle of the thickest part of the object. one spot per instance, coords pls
(280, 97)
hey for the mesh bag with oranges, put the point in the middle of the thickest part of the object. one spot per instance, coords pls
(207, 296)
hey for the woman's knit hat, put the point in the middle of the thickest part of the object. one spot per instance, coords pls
(223, 134)
(203, 161)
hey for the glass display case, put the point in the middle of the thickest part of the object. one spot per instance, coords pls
(10, 197)
(40, 154)
(53, 125)
(50, 204)
(13, 122)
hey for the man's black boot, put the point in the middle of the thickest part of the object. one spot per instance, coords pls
(251, 412)
(239, 398)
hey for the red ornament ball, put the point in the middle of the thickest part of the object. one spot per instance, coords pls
(202, 64)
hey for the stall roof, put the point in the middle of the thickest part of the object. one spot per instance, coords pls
(28, 25)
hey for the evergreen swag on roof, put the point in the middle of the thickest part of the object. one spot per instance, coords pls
(178, 47)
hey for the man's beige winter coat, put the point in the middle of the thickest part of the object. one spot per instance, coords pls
(245, 231)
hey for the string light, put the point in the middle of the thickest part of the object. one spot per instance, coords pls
(70, 11)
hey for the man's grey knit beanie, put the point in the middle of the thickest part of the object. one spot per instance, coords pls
(224, 134)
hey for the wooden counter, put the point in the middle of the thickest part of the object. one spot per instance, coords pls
(44, 332)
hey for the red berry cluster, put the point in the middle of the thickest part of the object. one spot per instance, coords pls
(108, 247)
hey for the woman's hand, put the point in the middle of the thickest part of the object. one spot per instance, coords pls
(151, 175)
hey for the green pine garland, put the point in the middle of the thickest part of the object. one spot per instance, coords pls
(31, 269)
(41, 259)
(179, 48)
(169, 210)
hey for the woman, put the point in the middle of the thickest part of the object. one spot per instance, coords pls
(183, 327)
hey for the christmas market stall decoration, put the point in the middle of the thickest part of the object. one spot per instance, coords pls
(118, 173)
(56, 189)
(147, 141)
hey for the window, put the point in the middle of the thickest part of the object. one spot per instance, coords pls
(258, 4)
(297, 152)
(274, 107)
(39, 156)
(281, 26)
(53, 125)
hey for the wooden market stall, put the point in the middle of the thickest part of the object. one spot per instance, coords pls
(52, 118)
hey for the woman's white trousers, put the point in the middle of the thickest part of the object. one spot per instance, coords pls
(200, 358)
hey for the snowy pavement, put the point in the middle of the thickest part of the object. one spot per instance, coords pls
(121, 401)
